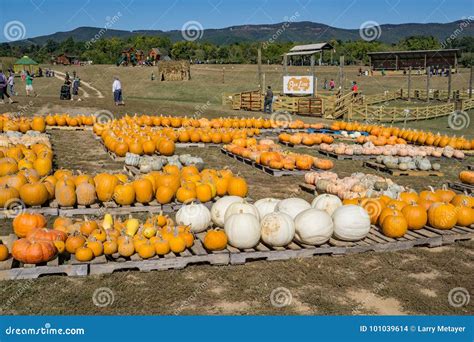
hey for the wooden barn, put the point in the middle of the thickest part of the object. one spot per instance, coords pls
(65, 59)
(417, 59)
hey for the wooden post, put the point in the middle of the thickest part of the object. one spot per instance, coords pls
(313, 73)
(223, 74)
(263, 81)
(285, 65)
(259, 67)
(427, 85)
(449, 84)
(321, 57)
(425, 61)
(409, 83)
(341, 73)
(470, 84)
(396, 62)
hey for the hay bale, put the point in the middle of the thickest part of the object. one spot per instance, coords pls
(174, 71)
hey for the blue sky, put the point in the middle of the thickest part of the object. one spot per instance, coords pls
(40, 17)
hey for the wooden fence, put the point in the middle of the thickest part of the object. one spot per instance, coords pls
(398, 114)
(362, 107)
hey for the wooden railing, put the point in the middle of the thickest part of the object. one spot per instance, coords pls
(397, 114)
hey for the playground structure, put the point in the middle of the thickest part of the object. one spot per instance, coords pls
(374, 107)
(131, 56)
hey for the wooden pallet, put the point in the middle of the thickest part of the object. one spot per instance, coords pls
(197, 254)
(70, 128)
(345, 156)
(461, 187)
(131, 170)
(375, 241)
(288, 144)
(412, 173)
(309, 188)
(185, 145)
(44, 210)
(266, 169)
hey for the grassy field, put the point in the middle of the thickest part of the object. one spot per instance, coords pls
(407, 282)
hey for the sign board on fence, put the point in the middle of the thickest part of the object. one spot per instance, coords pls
(298, 84)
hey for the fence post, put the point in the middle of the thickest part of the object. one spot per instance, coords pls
(427, 85)
(449, 85)
(470, 84)
(409, 84)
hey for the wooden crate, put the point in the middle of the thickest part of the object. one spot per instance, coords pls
(345, 156)
(461, 187)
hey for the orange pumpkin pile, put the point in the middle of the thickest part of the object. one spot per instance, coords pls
(68, 189)
(39, 123)
(307, 139)
(267, 153)
(440, 209)
(467, 177)
(408, 135)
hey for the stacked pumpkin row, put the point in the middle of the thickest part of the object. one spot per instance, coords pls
(22, 124)
(278, 222)
(267, 153)
(228, 122)
(402, 150)
(185, 185)
(409, 135)
(440, 209)
(87, 239)
(357, 185)
(121, 138)
(307, 139)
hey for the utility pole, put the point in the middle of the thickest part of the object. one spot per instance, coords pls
(223, 74)
(259, 67)
(427, 84)
(449, 84)
(341, 73)
(470, 84)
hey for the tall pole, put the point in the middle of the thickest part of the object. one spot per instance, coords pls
(449, 84)
(341, 73)
(285, 64)
(259, 67)
(409, 83)
(427, 85)
(223, 74)
(313, 73)
(263, 81)
(470, 84)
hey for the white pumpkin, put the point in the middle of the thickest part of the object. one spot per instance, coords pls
(351, 223)
(328, 203)
(196, 216)
(292, 206)
(266, 206)
(313, 227)
(278, 229)
(219, 208)
(241, 208)
(242, 230)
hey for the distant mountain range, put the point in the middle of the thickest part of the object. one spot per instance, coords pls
(304, 31)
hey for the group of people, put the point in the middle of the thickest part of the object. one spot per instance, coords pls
(7, 85)
(74, 82)
(329, 86)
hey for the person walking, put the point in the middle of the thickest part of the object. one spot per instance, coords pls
(268, 100)
(11, 84)
(117, 91)
(3, 88)
(355, 88)
(325, 84)
(29, 85)
(332, 84)
(75, 89)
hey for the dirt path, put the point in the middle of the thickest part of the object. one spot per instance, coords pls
(98, 92)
